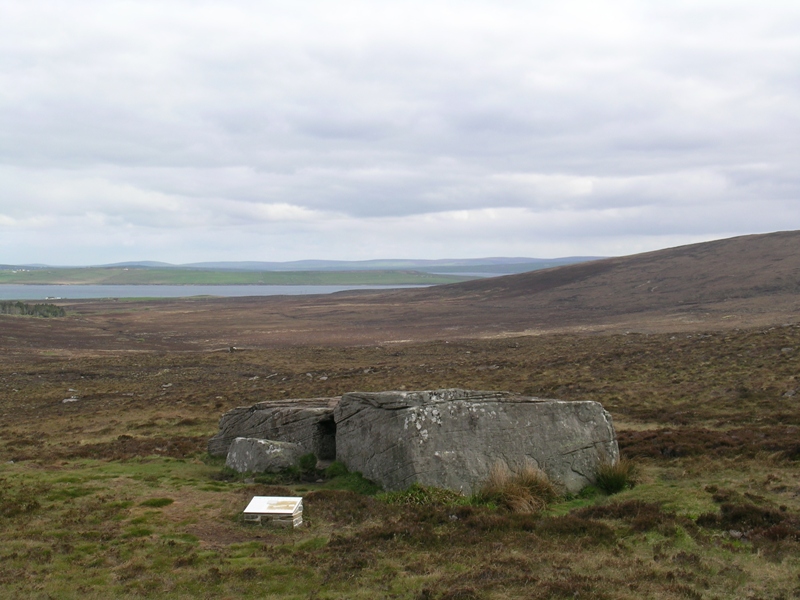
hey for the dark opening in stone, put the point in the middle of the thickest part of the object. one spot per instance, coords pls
(326, 439)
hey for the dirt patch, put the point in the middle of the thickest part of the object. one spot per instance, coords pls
(215, 535)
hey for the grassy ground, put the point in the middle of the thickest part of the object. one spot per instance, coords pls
(154, 276)
(110, 494)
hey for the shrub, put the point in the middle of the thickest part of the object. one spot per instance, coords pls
(341, 507)
(612, 478)
(791, 453)
(749, 516)
(226, 474)
(336, 469)
(420, 495)
(266, 489)
(307, 463)
(460, 593)
(756, 521)
(275, 480)
(528, 491)
(642, 516)
(573, 525)
(22, 502)
(35, 310)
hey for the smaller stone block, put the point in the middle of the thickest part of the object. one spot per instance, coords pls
(308, 422)
(251, 455)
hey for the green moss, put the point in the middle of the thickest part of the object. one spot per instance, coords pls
(59, 495)
(353, 482)
(420, 495)
(137, 532)
(336, 469)
(314, 543)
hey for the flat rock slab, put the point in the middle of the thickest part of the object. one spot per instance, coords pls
(251, 455)
(306, 422)
(451, 438)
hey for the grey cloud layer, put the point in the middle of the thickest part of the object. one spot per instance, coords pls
(577, 120)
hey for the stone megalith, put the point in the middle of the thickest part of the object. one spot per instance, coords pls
(307, 422)
(251, 455)
(451, 438)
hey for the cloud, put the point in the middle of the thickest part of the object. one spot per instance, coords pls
(139, 123)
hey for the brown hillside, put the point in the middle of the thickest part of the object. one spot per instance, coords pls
(708, 276)
(740, 267)
(737, 282)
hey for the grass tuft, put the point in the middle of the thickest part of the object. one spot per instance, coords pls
(613, 478)
(307, 463)
(528, 491)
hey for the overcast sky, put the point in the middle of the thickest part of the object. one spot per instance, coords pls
(255, 130)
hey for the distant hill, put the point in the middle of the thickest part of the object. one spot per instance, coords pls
(748, 281)
(482, 266)
(730, 278)
(734, 268)
(144, 263)
(221, 272)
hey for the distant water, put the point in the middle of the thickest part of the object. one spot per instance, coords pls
(81, 292)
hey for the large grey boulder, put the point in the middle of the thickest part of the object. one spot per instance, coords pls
(451, 438)
(307, 422)
(251, 455)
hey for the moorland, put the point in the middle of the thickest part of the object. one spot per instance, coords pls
(104, 415)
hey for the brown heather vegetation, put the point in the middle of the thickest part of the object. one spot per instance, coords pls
(111, 494)
(705, 416)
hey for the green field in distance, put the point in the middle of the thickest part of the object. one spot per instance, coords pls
(156, 276)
